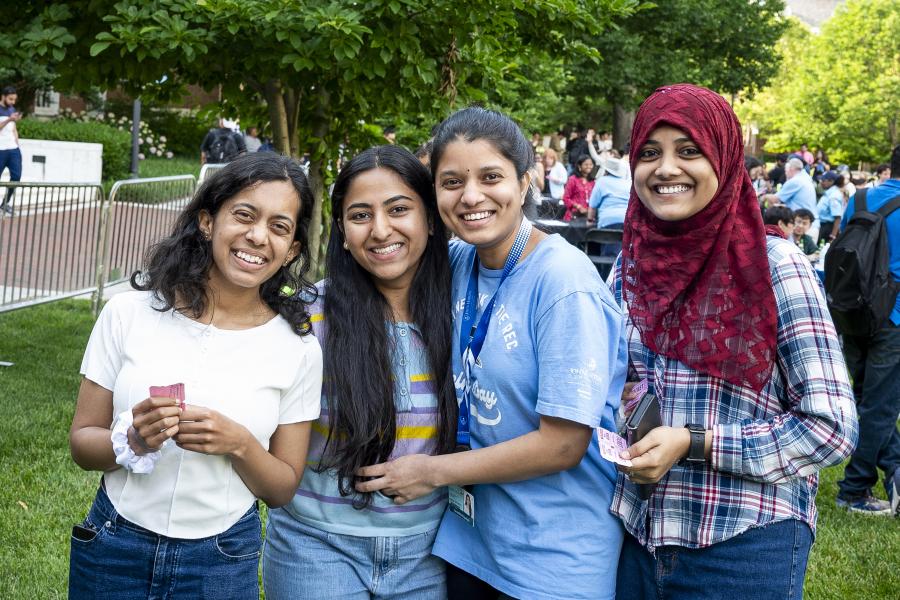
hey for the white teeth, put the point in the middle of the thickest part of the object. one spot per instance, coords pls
(257, 260)
(672, 189)
(387, 249)
(477, 216)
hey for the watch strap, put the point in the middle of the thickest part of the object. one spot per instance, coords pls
(697, 451)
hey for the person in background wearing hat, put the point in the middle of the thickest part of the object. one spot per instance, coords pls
(609, 198)
(830, 206)
(10, 155)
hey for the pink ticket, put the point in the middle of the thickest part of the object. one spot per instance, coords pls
(611, 445)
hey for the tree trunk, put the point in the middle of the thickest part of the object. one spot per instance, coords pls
(292, 109)
(623, 120)
(316, 181)
(277, 116)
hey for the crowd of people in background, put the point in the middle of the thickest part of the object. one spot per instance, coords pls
(426, 420)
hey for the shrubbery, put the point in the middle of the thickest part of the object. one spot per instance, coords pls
(183, 131)
(116, 144)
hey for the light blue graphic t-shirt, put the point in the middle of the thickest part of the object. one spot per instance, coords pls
(555, 348)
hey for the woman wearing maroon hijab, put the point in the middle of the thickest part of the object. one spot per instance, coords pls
(731, 330)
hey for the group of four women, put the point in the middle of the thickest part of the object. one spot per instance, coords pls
(471, 374)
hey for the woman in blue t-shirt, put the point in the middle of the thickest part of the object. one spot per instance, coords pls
(539, 373)
(383, 323)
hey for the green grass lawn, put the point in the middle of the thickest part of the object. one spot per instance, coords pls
(43, 493)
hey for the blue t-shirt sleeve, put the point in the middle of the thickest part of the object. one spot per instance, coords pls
(581, 358)
(596, 195)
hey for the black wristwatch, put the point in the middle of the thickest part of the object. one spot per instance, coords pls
(697, 452)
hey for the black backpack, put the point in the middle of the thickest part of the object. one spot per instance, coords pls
(859, 285)
(223, 148)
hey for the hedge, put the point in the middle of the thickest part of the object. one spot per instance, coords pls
(116, 144)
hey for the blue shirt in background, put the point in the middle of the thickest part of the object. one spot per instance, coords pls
(831, 205)
(554, 347)
(799, 192)
(875, 199)
(610, 198)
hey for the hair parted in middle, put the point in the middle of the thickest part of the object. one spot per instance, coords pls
(177, 268)
(359, 383)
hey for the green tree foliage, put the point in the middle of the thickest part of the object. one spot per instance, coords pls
(838, 89)
(726, 45)
(29, 27)
(324, 68)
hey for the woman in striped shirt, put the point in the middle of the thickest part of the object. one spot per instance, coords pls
(383, 320)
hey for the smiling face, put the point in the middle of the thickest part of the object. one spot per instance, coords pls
(252, 235)
(385, 225)
(585, 167)
(480, 197)
(672, 178)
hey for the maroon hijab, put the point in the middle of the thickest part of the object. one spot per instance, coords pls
(699, 290)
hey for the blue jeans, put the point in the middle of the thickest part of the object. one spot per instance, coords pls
(874, 365)
(11, 158)
(112, 557)
(760, 564)
(301, 561)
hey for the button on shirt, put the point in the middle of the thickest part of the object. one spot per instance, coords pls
(799, 192)
(767, 446)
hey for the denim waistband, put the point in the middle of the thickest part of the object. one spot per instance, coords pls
(105, 515)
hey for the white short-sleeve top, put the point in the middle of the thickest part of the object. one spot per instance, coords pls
(260, 377)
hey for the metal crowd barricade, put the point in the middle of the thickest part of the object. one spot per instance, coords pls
(49, 245)
(208, 169)
(139, 213)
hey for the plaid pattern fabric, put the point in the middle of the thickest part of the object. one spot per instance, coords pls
(766, 447)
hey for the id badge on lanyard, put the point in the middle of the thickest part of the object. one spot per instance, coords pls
(471, 336)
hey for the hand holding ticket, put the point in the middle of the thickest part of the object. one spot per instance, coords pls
(176, 390)
(637, 392)
(611, 446)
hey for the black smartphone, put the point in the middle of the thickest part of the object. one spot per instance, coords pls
(85, 534)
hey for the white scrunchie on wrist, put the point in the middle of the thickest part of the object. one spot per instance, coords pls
(125, 456)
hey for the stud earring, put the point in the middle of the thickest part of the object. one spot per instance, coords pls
(346, 247)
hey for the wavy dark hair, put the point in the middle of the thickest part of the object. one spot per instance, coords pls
(359, 382)
(177, 268)
(478, 123)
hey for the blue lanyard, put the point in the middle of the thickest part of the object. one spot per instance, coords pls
(471, 338)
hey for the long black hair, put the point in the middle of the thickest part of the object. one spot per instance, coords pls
(478, 123)
(177, 268)
(357, 350)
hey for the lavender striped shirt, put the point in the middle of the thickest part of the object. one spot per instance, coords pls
(318, 502)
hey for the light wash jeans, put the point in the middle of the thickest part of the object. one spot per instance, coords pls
(304, 562)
